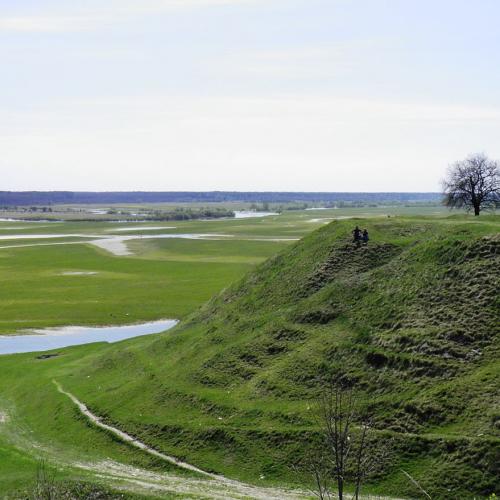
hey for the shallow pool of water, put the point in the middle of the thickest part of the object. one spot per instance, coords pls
(248, 214)
(56, 338)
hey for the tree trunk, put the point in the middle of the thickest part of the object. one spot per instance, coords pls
(477, 209)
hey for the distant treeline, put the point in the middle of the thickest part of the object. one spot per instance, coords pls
(26, 198)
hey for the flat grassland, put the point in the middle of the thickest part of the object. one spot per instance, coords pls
(150, 384)
(161, 278)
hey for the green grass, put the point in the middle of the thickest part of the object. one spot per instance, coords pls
(35, 293)
(234, 252)
(42, 424)
(412, 321)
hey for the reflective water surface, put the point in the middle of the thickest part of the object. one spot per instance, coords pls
(55, 338)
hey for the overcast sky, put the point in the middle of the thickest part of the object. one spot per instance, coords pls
(300, 95)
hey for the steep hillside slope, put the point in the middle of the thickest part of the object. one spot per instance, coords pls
(412, 321)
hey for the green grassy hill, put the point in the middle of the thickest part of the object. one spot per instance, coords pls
(412, 321)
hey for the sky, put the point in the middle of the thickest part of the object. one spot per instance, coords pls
(245, 95)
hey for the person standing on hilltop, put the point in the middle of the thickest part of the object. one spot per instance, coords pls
(356, 234)
(365, 237)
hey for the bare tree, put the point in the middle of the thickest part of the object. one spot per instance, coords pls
(343, 458)
(473, 183)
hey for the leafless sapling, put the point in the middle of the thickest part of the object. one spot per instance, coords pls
(344, 459)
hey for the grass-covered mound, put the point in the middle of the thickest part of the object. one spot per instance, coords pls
(412, 321)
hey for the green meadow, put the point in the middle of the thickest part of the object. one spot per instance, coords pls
(230, 388)
(161, 279)
(36, 292)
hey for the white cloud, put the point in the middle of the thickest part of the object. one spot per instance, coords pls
(48, 24)
(156, 5)
(300, 62)
(97, 15)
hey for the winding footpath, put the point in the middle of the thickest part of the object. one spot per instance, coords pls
(217, 486)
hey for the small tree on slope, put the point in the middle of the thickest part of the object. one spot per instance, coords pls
(473, 183)
(344, 457)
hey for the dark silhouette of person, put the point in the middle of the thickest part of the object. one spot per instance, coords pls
(365, 236)
(356, 234)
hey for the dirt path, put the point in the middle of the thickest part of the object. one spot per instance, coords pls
(214, 486)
